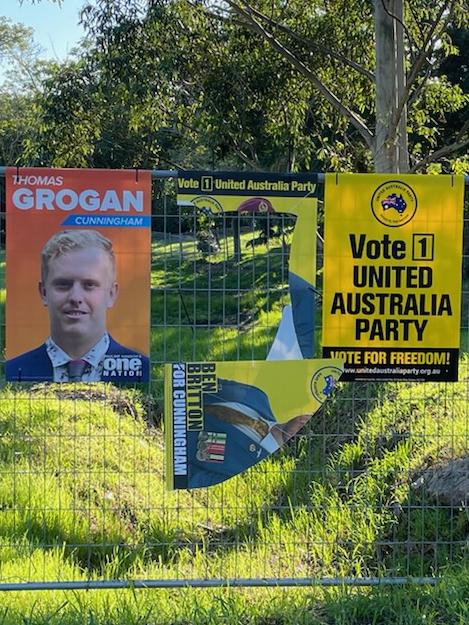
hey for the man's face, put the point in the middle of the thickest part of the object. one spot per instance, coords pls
(78, 291)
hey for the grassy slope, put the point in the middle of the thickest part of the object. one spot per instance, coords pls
(78, 473)
(347, 498)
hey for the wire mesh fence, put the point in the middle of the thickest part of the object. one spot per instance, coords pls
(373, 490)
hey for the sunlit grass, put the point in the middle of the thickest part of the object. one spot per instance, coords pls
(86, 478)
(82, 491)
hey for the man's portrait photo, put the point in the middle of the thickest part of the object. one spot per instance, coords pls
(78, 286)
(78, 275)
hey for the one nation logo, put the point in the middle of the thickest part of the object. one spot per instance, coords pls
(122, 367)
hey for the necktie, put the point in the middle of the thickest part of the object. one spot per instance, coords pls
(75, 369)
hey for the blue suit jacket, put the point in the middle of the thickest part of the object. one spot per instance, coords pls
(240, 451)
(35, 366)
(303, 301)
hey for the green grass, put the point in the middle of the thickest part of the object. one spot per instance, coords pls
(428, 605)
(215, 308)
(82, 497)
(82, 492)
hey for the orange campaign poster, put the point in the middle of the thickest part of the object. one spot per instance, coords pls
(78, 275)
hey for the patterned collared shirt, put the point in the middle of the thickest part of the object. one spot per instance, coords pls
(94, 359)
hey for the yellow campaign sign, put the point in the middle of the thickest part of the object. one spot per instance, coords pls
(268, 194)
(221, 418)
(392, 275)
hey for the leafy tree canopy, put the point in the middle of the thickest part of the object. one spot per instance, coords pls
(274, 85)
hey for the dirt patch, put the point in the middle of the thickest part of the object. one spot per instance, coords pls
(121, 401)
(448, 482)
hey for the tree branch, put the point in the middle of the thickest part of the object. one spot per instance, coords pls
(416, 21)
(418, 89)
(417, 66)
(255, 165)
(444, 151)
(423, 57)
(394, 17)
(289, 31)
(313, 46)
(287, 54)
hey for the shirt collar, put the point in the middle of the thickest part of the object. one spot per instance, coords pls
(93, 356)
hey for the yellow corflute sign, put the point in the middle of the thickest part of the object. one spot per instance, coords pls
(267, 194)
(222, 418)
(392, 275)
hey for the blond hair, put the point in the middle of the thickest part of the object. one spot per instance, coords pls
(70, 241)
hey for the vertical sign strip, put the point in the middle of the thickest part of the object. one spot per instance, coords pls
(266, 194)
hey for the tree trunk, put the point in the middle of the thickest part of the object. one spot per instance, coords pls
(390, 150)
(402, 139)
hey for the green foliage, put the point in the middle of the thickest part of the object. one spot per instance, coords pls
(15, 41)
(24, 71)
(200, 85)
